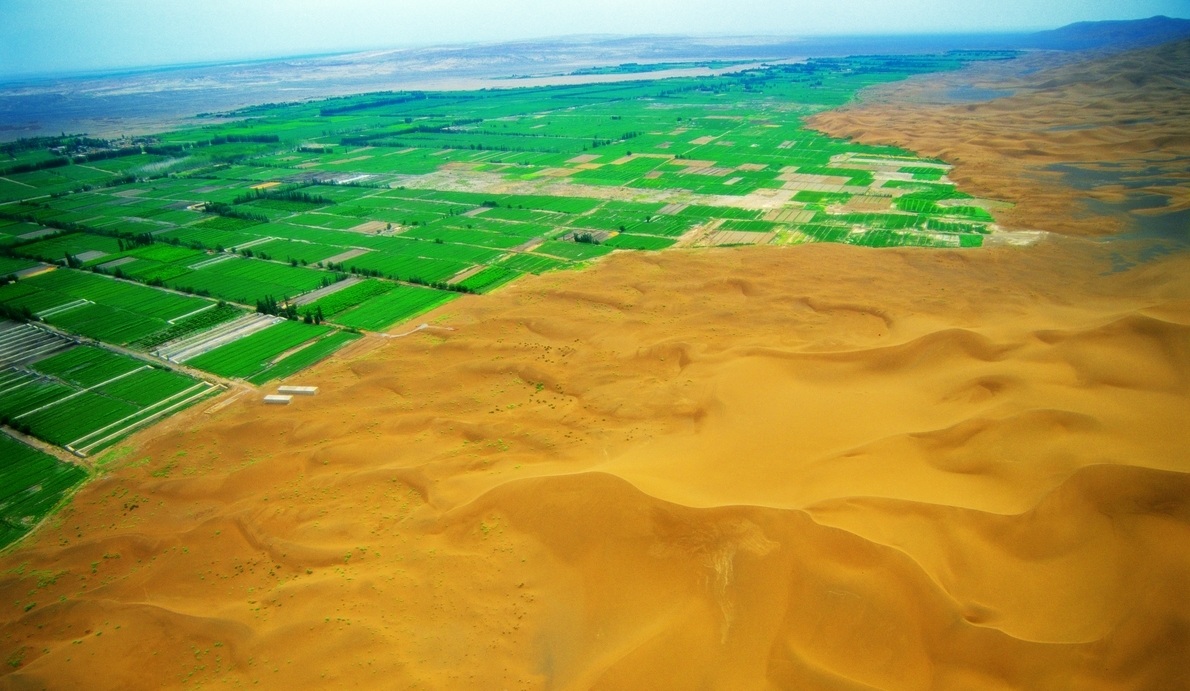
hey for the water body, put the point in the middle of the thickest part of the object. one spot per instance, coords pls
(1111, 174)
(1153, 235)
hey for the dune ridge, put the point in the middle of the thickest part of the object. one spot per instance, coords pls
(813, 467)
(827, 480)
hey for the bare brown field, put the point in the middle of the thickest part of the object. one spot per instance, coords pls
(810, 467)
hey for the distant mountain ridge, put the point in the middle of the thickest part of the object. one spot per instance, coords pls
(1115, 35)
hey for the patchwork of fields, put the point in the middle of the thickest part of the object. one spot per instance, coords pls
(80, 397)
(250, 250)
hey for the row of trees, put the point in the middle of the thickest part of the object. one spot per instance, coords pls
(287, 309)
(228, 211)
(288, 194)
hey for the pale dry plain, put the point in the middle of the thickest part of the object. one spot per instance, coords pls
(804, 467)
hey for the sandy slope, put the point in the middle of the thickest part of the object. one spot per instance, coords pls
(805, 467)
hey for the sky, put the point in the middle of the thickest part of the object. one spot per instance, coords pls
(63, 36)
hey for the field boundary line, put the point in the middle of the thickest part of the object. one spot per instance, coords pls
(212, 261)
(80, 392)
(32, 378)
(71, 446)
(251, 243)
(74, 304)
(22, 184)
(191, 314)
(419, 327)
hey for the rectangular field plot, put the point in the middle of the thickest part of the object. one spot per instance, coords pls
(12, 265)
(533, 263)
(294, 250)
(74, 244)
(87, 366)
(347, 298)
(489, 277)
(406, 267)
(245, 281)
(99, 307)
(482, 235)
(85, 398)
(399, 304)
(252, 354)
(32, 483)
(22, 392)
(628, 241)
(295, 362)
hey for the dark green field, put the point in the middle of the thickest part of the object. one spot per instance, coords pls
(31, 484)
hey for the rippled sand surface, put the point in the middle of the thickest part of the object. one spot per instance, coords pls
(806, 467)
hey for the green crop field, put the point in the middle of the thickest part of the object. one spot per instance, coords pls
(349, 297)
(300, 360)
(251, 355)
(245, 280)
(87, 397)
(97, 307)
(11, 265)
(489, 277)
(32, 483)
(399, 304)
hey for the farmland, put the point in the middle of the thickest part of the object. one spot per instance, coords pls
(85, 398)
(31, 485)
(303, 358)
(99, 307)
(398, 304)
(253, 354)
(358, 213)
(460, 191)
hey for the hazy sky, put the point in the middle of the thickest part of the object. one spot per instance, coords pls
(40, 36)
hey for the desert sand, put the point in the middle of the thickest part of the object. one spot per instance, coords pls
(805, 467)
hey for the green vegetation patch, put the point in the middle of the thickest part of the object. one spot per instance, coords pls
(87, 397)
(32, 483)
(488, 278)
(399, 304)
(300, 360)
(250, 355)
(347, 298)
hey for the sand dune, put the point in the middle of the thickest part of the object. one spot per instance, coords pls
(808, 467)
(845, 468)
